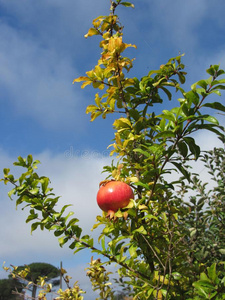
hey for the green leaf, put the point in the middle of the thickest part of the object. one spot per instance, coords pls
(72, 222)
(204, 277)
(44, 184)
(31, 217)
(73, 245)
(140, 230)
(215, 105)
(145, 153)
(176, 276)
(99, 85)
(62, 240)
(127, 4)
(181, 78)
(134, 113)
(165, 134)
(201, 83)
(169, 95)
(103, 242)
(222, 251)
(34, 226)
(194, 149)
(168, 115)
(210, 127)
(58, 232)
(29, 159)
(21, 162)
(181, 169)
(133, 251)
(69, 215)
(211, 119)
(183, 148)
(201, 289)
(212, 272)
(192, 97)
(213, 70)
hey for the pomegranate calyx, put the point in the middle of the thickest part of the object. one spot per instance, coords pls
(104, 182)
(110, 214)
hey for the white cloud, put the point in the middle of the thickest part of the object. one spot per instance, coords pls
(39, 59)
(37, 81)
(77, 180)
(40, 53)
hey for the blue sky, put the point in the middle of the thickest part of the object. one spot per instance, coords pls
(42, 49)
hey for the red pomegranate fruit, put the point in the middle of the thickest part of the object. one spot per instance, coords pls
(114, 195)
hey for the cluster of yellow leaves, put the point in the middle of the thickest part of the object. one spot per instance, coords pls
(74, 293)
(99, 278)
(109, 72)
(71, 293)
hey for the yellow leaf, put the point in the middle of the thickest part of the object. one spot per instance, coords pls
(118, 139)
(86, 83)
(91, 32)
(96, 22)
(97, 99)
(81, 78)
(130, 204)
(133, 179)
(91, 108)
(128, 82)
(119, 214)
(112, 103)
(122, 123)
(142, 206)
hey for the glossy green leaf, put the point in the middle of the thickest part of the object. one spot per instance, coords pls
(34, 226)
(167, 92)
(200, 289)
(181, 169)
(141, 230)
(176, 276)
(195, 149)
(182, 146)
(215, 105)
(168, 115)
(212, 272)
(165, 134)
(192, 97)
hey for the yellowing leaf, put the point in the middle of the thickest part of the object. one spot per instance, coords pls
(97, 99)
(99, 85)
(81, 78)
(142, 206)
(91, 32)
(86, 83)
(130, 204)
(127, 4)
(91, 108)
(133, 179)
(122, 123)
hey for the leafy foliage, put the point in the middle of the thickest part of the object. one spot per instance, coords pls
(165, 246)
(34, 271)
(7, 286)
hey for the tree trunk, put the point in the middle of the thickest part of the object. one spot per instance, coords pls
(34, 290)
